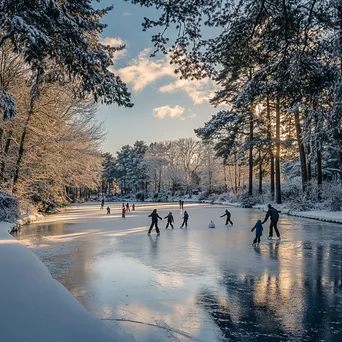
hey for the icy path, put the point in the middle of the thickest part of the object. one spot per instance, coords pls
(197, 284)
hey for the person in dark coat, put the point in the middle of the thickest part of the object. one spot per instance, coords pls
(228, 214)
(127, 208)
(180, 204)
(170, 220)
(108, 210)
(273, 214)
(185, 220)
(133, 207)
(258, 231)
(154, 215)
(102, 203)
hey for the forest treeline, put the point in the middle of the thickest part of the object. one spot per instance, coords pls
(278, 67)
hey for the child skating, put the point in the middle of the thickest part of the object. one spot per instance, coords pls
(123, 212)
(258, 232)
(229, 215)
(185, 219)
(170, 220)
(154, 215)
(108, 211)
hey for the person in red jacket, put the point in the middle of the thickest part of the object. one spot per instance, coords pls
(123, 212)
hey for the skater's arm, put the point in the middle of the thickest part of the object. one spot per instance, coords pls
(253, 228)
(266, 217)
(159, 217)
(223, 215)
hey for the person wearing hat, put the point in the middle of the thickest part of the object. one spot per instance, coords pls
(170, 220)
(273, 214)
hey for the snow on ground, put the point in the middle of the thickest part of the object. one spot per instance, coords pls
(35, 307)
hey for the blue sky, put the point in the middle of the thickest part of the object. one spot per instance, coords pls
(165, 108)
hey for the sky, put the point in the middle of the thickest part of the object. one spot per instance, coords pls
(165, 107)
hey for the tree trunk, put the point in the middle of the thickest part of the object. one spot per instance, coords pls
(269, 137)
(308, 163)
(7, 147)
(21, 150)
(250, 159)
(277, 157)
(319, 171)
(260, 173)
(301, 150)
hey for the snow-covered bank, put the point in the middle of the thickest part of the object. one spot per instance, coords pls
(35, 307)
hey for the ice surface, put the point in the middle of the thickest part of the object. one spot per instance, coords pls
(35, 307)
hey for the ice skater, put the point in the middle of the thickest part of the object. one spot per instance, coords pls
(127, 208)
(123, 212)
(170, 220)
(258, 232)
(274, 216)
(180, 204)
(102, 203)
(133, 207)
(229, 215)
(185, 219)
(108, 210)
(154, 215)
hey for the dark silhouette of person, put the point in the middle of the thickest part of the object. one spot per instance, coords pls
(228, 214)
(123, 212)
(180, 204)
(185, 220)
(170, 220)
(258, 231)
(133, 207)
(273, 214)
(154, 215)
(102, 203)
(108, 210)
(127, 207)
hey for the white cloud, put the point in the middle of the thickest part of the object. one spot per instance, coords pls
(127, 14)
(143, 71)
(167, 111)
(115, 42)
(199, 91)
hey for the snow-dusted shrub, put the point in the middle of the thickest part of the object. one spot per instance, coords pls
(292, 189)
(140, 196)
(8, 207)
(332, 196)
(246, 200)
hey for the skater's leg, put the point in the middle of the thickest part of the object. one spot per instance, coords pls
(276, 229)
(259, 239)
(167, 225)
(271, 230)
(255, 240)
(151, 226)
(230, 221)
(227, 220)
(157, 228)
(171, 225)
(186, 224)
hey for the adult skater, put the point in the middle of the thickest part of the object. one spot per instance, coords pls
(273, 214)
(185, 219)
(127, 207)
(154, 215)
(170, 220)
(108, 210)
(258, 232)
(180, 204)
(102, 203)
(228, 214)
(133, 207)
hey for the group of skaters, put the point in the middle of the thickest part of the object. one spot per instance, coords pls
(170, 221)
(125, 208)
(272, 213)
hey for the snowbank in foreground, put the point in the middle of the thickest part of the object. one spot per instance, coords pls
(35, 307)
(321, 215)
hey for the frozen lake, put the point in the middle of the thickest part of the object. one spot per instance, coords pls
(197, 284)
